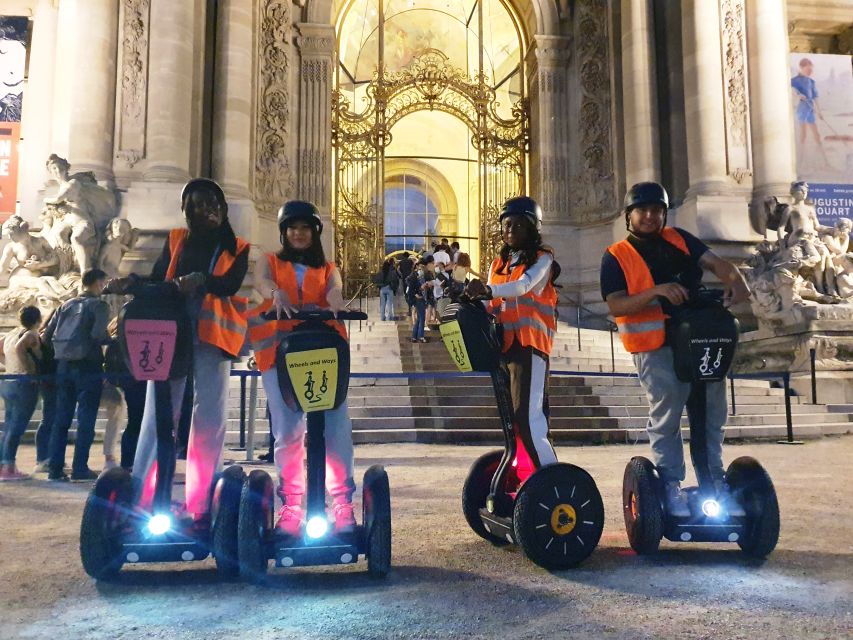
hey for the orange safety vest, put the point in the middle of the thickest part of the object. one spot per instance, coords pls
(222, 321)
(530, 319)
(265, 334)
(645, 330)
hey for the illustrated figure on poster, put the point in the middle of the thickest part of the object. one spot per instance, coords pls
(807, 109)
(13, 55)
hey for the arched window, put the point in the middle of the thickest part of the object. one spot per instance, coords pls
(411, 215)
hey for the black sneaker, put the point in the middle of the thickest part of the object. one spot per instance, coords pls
(83, 476)
(57, 476)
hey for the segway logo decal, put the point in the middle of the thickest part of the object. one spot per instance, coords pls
(314, 376)
(151, 347)
(451, 333)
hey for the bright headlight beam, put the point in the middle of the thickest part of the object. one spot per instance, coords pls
(711, 508)
(316, 527)
(159, 524)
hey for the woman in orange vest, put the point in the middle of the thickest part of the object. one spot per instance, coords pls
(207, 262)
(299, 278)
(521, 288)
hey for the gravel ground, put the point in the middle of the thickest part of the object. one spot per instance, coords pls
(448, 583)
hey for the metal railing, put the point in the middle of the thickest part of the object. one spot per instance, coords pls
(593, 316)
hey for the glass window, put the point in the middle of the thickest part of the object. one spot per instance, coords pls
(410, 214)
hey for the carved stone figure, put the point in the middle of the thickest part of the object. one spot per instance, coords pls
(809, 265)
(79, 231)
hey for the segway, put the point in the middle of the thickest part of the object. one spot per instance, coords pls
(313, 364)
(554, 513)
(703, 336)
(156, 341)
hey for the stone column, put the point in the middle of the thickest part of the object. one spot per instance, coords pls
(316, 44)
(703, 98)
(94, 25)
(769, 96)
(170, 91)
(549, 128)
(639, 93)
(232, 117)
(37, 121)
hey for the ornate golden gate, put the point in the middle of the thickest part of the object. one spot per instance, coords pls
(360, 139)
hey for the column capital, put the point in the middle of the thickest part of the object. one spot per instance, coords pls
(315, 39)
(550, 51)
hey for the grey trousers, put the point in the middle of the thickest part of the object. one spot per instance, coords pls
(667, 397)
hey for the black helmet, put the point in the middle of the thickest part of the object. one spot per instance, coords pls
(202, 183)
(523, 206)
(646, 193)
(294, 210)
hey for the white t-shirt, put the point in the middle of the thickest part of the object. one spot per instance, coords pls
(441, 256)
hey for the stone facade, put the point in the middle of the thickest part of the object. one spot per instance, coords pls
(245, 97)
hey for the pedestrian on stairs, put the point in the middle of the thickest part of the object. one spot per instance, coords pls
(388, 281)
(522, 295)
(296, 278)
(644, 278)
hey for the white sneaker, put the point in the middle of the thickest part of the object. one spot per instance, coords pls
(41, 467)
(676, 500)
(110, 464)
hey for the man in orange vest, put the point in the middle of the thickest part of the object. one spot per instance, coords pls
(523, 297)
(644, 278)
(207, 262)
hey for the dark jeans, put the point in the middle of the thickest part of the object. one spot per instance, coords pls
(78, 386)
(48, 417)
(134, 397)
(21, 397)
(418, 326)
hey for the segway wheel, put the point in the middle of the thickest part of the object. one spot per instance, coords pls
(255, 520)
(476, 490)
(225, 510)
(558, 516)
(641, 506)
(376, 513)
(107, 509)
(752, 486)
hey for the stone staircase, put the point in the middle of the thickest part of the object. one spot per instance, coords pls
(415, 395)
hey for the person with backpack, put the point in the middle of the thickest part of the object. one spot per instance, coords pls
(78, 331)
(418, 295)
(388, 281)
(21, 353)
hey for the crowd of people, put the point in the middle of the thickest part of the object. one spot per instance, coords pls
(425, 282)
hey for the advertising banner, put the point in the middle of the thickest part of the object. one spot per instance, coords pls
(822, 91)
(13, 61)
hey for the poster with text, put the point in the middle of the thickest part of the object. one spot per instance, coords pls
(13, 62)
(822, 94)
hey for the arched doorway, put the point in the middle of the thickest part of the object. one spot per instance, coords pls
(435, 84)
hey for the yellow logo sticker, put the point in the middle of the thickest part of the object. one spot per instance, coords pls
(314, 376)
(452, 335)
(563, 519)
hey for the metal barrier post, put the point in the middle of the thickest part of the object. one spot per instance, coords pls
(612, 353)
(579, 327)
(786, 382)
(732, 387)
(253, 406)
(242, 413)
(812, 358)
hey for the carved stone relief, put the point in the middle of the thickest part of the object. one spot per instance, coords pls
(273, 175)
(593, 197)
(130, 141)
(733, 31)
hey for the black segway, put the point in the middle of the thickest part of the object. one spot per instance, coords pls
(156, 341)
(703, 337)
(554, 513)
(313, 363)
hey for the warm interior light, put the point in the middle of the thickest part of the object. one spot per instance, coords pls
(316, 527)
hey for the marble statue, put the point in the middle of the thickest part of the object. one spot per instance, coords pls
(808, 265)
(80, 230)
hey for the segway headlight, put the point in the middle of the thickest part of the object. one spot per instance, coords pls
(711, 508)
(316, 527)
(159, 524)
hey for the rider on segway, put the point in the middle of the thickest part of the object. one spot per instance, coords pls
(298, 277)
(645, 278)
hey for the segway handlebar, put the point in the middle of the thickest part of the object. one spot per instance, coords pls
(318, 314)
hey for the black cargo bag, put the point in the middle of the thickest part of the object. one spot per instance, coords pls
(470, 328)
(703, 338)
